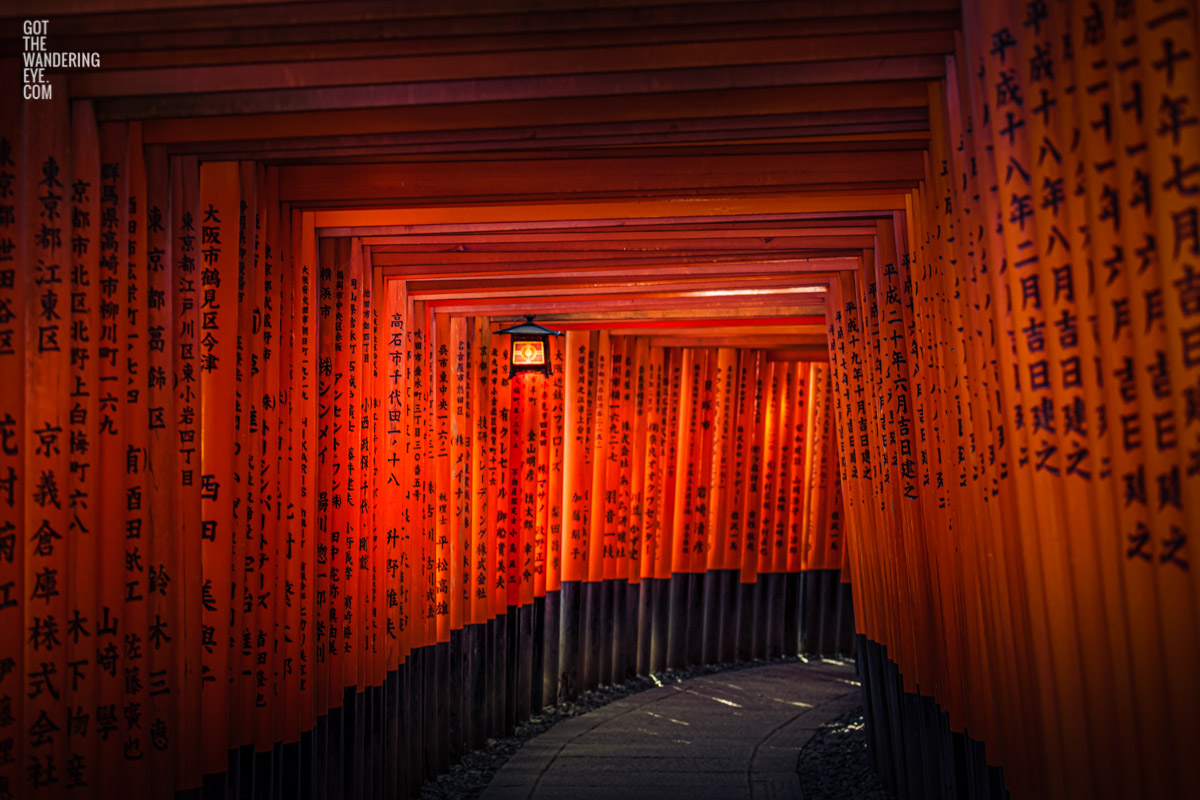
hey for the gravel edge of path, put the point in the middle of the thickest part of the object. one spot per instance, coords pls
(835, 764)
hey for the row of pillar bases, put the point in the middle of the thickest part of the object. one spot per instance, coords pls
(626, 630)
(912, 747)
(448, 699)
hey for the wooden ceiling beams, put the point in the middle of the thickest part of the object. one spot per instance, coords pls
(651, 174)
(456, 25)
(159, 75)
(695, 171)
(859, 125)
(580, 285)
(379, 110)
(537, 304)
(507, 216)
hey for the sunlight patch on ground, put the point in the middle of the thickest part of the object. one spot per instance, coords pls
(668, 719)
(719, 700)
(792, 702)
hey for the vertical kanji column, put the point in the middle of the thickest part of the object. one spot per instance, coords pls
(220, 199)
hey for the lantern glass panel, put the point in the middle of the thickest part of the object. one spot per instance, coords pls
(528, 353)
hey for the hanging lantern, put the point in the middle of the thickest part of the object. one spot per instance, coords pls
(529, 342)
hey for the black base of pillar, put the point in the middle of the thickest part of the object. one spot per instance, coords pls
(569, 640)
(727, 648)
(744, 650)
(550, 650)
(475, 685)
(826, 614)
(912, 748)
(677, 629)
(616, 610)
(772, 624)
(512, 638)
(758, 627)
(629, 663)
(438, 724)
(694, 649)
(605, 629)
(455, 698)
(589, 613)
(524, 662)
(791, 614)
(710, 626)
(659, 624)
(645, 624)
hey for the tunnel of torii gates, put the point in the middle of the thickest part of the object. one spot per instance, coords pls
(890, 301)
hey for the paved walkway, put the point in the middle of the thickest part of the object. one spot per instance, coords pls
(727, 736)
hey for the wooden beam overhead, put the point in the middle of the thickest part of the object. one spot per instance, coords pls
(700, 222)
(379, 40)
(599, 302)
(800, 333)
(822, 75)
(832, 203)
(815, 270)
(793, 354)
(399, 183)
(815, 347)
(911, 123)
(379, 110)
(501, 241)
(759, 324)
(588, 262)
(736, 317)
(705, 289)
(273, 20)
(355, 68)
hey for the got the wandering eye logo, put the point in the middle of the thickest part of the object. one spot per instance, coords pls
(37, 60)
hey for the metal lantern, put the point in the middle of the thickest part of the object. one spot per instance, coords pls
(529, 351)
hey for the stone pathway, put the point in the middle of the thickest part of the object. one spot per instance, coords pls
(731, 735)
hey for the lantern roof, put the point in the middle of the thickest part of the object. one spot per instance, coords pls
(530, 328)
